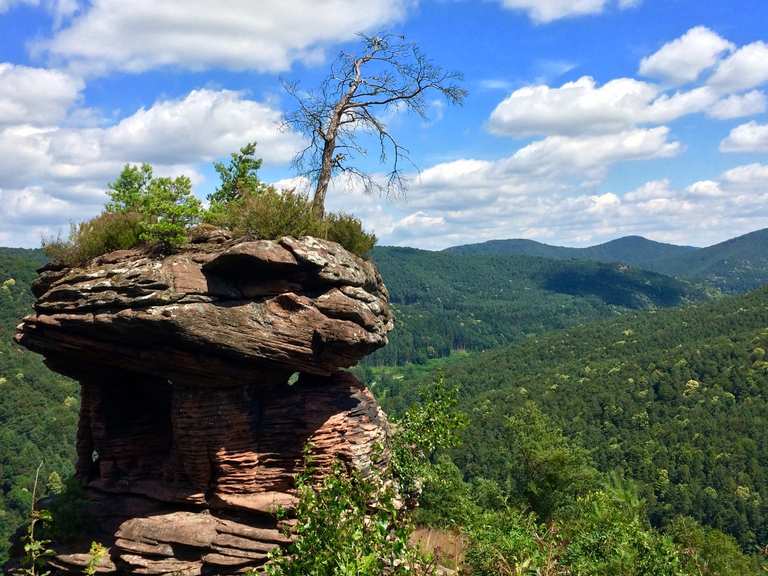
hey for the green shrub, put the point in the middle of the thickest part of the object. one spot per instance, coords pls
(349, 525)
(710, 552)
(348, 231)
(444, 501)
(271, 214)
(166, 206)
(535, 463)
(606, 534)
(428, 428)
(506, 542)
(168, 211)
(239, 177)
(144, 209)
(345, 526)
(96, 554)
(126, 193)
(105, 233)
(268, 214)
(245, 205)
(69, 515)
(600, 534)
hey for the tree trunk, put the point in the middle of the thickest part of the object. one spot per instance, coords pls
(324, 178)
(329, 146)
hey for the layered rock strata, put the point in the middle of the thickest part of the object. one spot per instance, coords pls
(204, 374)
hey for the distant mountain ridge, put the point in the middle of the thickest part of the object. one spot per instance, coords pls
(736, 265)
(634, 250)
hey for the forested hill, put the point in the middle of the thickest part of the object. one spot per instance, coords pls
(634, 250)
(736, 265)
(676, 399)
(450, 301)
(38, 409)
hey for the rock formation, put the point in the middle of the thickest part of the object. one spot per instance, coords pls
(204, 374)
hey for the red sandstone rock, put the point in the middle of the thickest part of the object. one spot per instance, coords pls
(190, 435)
(304, 304)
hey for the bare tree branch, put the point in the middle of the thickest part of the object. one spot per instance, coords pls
(387, 73)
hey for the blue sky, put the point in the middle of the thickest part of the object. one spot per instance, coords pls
(586, 119)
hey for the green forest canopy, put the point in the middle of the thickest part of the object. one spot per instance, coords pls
(675, 399)
(38, 409)
(446, 302)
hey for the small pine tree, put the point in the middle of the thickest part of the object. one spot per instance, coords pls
(239, 177)
(127, 193)
(166, 206)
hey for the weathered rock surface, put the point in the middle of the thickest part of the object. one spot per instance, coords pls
(213, 310)
(193, 421)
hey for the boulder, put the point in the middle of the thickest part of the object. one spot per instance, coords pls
(204, 375)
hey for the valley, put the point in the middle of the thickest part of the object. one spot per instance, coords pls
(661, 380)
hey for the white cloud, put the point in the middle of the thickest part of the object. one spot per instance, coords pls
(684, 59)
(543, 11)
(736, 202)
(748, 175)
(670, 107)
(240, 35)
(548, 69)
(50, 173)
(744, 69)
(581, 107)
(27, 215)
(750, 137)
(61, 10)
(417, 224)
(495, 84)
(603, 203)
(739, 105)
(650, 191)
(548, 10)
(591, 155)
(545, 165)
(35, 96)
(33, 205)
(202, 126)
(705, 188)
(574, 107)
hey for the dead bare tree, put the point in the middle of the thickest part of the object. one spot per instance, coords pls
(386, 75)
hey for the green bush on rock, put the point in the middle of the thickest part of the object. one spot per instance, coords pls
(269, 213)
(142, 209)
(105, 233)
(159, 212)
(166, 206)
(247, 206)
